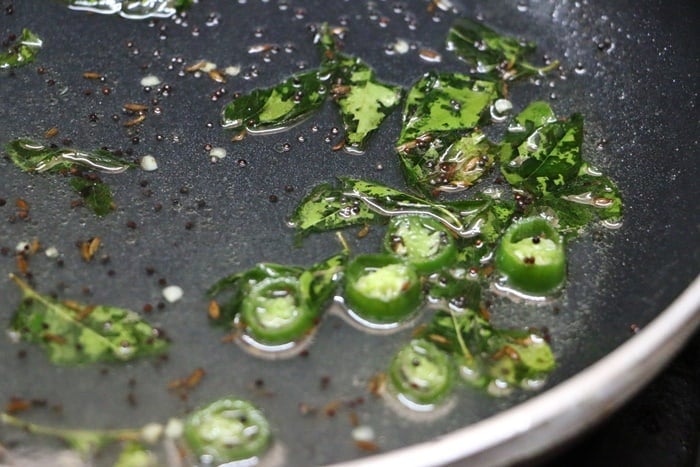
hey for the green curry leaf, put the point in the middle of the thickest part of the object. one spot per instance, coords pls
(585, 199)
(453, 291)
(327, 208)
(133, 9)
(497, 359)
(37, 158)
(491, 54)
(360, 201)
(75, 334)
(441, 102)
(96, 194)
(545, 158)
(22, 52)
(320, 281)
(31, 156)
(447, 165)
(276, 108)
(363, 101)
(85, 442)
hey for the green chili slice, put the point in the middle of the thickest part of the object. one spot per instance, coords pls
(227, 430)
(531, 256)
(422, 373)
(382, 288)
(422, 241)
(274, 312)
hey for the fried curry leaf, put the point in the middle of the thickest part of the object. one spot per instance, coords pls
(31, 156)
(454, 291)
(34, 157)
(586, 199)
(546, 158)
(96, 194)
(96, 6)
(491, 54)
(441, 102)
(364, 102)
(276, 108)
(74, 334)
(182, 5)
(446, 164)
(328, 208)
(85, 442)
(22, 52)
(133, 9)
(537, 114)
(318, 283)
(542, 155)
(360, 201)
(497, 359)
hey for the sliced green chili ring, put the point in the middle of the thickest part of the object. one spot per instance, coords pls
(422, 373)
(421, 241)
(531, 256)
(227, 430)
(274, 311)
(382, 288)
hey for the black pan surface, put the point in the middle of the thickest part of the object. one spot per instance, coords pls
(630, 67)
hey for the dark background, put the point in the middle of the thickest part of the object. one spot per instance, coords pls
(658, 427)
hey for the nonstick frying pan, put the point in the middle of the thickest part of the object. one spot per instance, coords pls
(630, 67)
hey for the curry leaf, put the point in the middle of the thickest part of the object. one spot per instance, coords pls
(319, 282)
(73, 333)
(133, 9)
(491, 54)
(587, 198)
(542, 159)
(493, 358)
(359, 202)
(364, 102)
(95, 193)
(532, 117)
(22, 52)
(441, 102)
(34, 157)
(327, 208)
(31, 156)
(276, 108)
(454, 291)
(85, 442)
(542, 155)
(447, 165)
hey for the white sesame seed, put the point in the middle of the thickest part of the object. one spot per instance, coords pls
(401, 46)
(218, 153)
(149, 163)
(150, 81)
(363, 433)
(172, 293)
